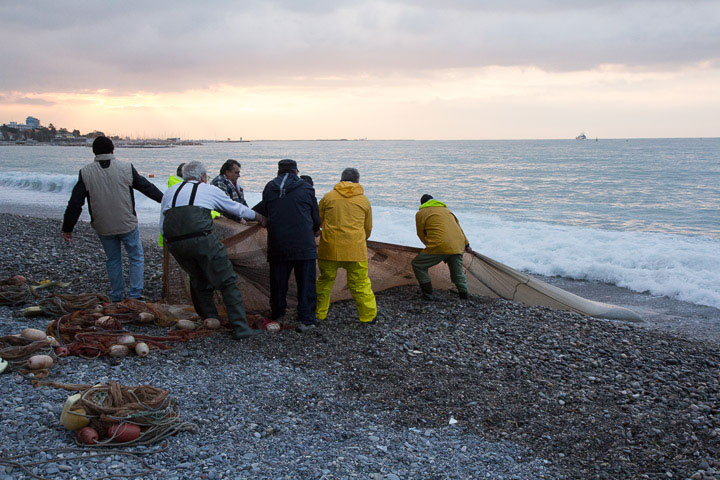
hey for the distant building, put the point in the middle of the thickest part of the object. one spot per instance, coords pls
(32, 122)
(19, 126)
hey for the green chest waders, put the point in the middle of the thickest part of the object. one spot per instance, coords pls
(188, 233)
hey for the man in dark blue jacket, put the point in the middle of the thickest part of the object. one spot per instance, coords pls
(291, 209)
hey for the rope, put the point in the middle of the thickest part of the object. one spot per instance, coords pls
(98, 453)
(17, 291)
(151, 408)
(77, 331)
(18, 350)
(56, 305)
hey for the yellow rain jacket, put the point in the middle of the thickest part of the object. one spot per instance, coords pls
(346, 219)
(439, 230)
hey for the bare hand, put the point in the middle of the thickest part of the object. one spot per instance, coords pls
(260, 219)
(67, 236)
(243, 221)
(317, 233)
(468, 249)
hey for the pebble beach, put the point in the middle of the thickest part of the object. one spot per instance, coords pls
(449, 389)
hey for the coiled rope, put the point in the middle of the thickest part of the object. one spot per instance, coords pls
(151, 408)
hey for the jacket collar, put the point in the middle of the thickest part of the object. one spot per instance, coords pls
(104, 156)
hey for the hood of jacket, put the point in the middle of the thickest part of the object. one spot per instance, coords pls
(433, 203)
(284, 183)
(349, 189)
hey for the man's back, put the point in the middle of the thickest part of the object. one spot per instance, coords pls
(292, 218)
(346, 218)
(439, 230)
(110, 199)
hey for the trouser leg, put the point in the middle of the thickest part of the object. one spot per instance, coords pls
(279, 276)
(323, 286)
(201, 291)
(361, 290)
(305, 278)
(113, 264)
(457, 275)
(134, 249)
(421, 263)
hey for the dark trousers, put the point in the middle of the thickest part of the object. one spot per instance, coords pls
(305, 280)
(205, 259)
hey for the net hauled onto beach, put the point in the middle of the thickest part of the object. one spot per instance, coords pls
(388, 267)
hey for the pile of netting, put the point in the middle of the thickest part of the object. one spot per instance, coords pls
(118, 415)
(92, 335)
(17, 351)
(15, 291)
(57, 304)
(18, 291)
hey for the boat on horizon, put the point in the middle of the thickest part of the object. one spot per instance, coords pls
(581, 136)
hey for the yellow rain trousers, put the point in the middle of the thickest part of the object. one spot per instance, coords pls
(358, 283)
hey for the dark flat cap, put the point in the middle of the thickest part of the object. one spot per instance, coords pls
(287, 164)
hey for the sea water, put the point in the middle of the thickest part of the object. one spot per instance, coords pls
(637, 213)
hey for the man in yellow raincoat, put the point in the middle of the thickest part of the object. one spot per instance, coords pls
(444, 241)
(346, 222)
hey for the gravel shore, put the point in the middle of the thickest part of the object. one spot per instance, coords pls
(449, 389)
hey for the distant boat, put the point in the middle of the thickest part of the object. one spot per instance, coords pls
(581, 136)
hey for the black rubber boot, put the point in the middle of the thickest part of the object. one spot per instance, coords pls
(427, 291)
(463, 295)
(241, 330)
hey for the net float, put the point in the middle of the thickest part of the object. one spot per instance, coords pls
(146, 317)
(125, 340)
(186, 325)
(272, 326)
(141, 349)
(124, 432)
(19, 279)
(119, 351)
(73, 418)
(3, 365)
(61, 351)
(38, 362)
(105, 322)
(53, 341)
(212, 323)
(33, 334)
(87, 436)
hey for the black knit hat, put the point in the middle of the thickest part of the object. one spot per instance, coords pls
(102, 144)
(287, 165)
(425, 198)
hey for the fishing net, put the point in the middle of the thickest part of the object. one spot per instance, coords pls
(388, 266)
(150, 408)
(57, 304)
(18, 350)
(15, 291)
(80, 333)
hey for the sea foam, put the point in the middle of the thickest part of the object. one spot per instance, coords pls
(678, 266)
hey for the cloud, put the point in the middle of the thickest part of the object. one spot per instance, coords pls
(19, 100)
(175, 45)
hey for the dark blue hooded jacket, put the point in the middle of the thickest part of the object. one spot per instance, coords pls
(291, 209)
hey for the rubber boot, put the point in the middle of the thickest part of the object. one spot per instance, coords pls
(241, 330)
(427, 291)
(463, 295)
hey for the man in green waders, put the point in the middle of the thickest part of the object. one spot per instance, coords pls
(444, 241)
(187, 227)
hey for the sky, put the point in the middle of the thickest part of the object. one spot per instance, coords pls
(282, 69)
